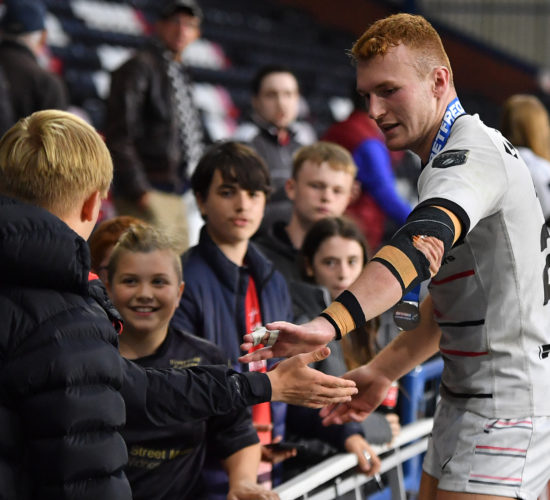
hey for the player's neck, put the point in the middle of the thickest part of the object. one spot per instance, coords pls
(424, 149)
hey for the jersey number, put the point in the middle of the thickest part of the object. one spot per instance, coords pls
(544, 239)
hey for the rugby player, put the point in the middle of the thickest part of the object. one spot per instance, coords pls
(479, 233)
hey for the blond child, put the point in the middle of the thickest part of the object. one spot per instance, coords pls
(66, 391)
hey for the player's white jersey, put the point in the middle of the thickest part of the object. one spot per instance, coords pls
(492, 293)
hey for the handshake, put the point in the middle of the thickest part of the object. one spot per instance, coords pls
(294, 382)
(360, 390)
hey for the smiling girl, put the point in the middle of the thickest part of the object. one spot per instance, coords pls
(145, 284)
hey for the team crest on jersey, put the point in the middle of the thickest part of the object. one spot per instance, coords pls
(450, 158)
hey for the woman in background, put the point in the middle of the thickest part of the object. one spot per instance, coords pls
(525, 123)
(333, 254)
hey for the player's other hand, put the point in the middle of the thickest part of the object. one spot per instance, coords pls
(372, 386)
(294, 382)
(292, 340)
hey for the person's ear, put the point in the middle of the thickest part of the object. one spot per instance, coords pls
(355, 191)
(290, 188)
(89, 210)
(43, 39)
(309, 269)
(441, 80)
(181, 288)
(200, 203)
(198, 33)
(255, 103)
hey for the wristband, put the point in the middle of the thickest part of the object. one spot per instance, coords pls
(345, 314)
(338, 335)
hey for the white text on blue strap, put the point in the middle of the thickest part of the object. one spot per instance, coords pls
(453, 111)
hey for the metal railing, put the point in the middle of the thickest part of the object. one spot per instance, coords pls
(336, 476)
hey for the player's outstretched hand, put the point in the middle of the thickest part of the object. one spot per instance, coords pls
(373, 387)
(292, 339)
(294, 382)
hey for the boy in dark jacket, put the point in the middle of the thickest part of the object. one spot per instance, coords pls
(65, 390)
(231, 288)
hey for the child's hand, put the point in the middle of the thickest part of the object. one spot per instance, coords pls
(294, 382)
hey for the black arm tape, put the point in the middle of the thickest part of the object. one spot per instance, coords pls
(455, 209)
(423, 221)
(431, 221)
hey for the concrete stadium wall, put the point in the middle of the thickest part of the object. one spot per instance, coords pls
(478, 69)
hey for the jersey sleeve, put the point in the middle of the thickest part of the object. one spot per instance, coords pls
(468, 181)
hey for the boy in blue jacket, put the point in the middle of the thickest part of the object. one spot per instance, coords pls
(231, 287)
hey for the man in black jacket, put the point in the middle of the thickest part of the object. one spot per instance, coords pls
(65, 391)
(154, 130)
